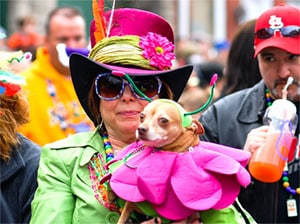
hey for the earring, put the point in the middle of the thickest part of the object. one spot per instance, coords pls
(101, 125)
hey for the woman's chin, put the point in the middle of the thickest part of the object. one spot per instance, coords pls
(128, 127)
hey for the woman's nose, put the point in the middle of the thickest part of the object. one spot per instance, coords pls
(127, 94)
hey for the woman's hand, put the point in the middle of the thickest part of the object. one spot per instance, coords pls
(153, 221)
(194, 219)
(256, 138)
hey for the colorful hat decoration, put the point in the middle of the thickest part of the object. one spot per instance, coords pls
(133, 42)
(10, 83)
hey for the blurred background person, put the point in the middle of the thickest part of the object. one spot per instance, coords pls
(197, 52)
(221, 51)
(5, 216)
(55, 111)
(192, 97)
(205, 71)
(3, 37)
(241, 69)
(19, 155)
(198, 89)
(26, 38)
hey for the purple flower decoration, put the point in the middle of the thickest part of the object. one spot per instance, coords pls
(158, 49)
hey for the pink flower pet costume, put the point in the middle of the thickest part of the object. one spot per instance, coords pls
(175, 185)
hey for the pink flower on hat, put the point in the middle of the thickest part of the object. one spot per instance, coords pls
(158, 49)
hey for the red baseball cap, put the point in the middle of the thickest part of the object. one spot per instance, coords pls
(278, 27)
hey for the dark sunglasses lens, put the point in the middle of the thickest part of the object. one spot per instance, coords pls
(109, 86)
(148, 85)
(264, 33)
(290, 31)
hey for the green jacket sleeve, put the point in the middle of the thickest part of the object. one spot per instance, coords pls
(53, 201)
(65, 194)
(227, 215)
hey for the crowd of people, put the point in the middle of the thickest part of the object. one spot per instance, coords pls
(60, 131)
(55, 112)
(26, 38)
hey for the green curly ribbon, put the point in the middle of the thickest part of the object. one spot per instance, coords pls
(15, 58)
(127, 77)
(206, 104)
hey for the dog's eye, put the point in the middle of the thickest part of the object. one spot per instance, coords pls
(142, 117)
(163, 121)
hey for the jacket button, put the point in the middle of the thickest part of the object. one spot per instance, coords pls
(112, 217)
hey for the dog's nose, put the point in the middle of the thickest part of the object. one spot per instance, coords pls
(142, 130)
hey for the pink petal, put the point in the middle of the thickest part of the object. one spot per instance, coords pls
(172, 208)
(195, 188)
(153, 176)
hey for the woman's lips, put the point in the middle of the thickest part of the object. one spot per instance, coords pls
(129, 113)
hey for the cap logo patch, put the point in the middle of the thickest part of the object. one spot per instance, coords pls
(275, 22)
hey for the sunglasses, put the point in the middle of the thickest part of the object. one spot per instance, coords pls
(287, 31)
(110, 87)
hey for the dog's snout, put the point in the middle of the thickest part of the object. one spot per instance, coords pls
(142, 130)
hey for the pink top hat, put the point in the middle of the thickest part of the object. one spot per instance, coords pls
(148, 46)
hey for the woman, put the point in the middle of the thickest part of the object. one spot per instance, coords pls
(139, 44)
(19, 156)
(69, 189)
(241, 70)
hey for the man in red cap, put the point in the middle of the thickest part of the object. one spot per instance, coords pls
(237, 119)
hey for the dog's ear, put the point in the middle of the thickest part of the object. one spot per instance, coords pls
(197, 127)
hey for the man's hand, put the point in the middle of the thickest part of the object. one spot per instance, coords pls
(256, 138)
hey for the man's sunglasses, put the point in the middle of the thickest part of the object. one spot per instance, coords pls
(287, 31)
(110, 87)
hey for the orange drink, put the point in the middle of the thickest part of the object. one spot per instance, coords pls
(268, 162)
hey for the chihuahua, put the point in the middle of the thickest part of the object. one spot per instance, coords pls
(163, 125)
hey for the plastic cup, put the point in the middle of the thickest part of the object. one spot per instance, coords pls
(268, 161)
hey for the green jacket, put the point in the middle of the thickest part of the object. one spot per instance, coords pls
(64, 194)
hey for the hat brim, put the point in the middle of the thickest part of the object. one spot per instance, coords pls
(289, 44)
(84, 71)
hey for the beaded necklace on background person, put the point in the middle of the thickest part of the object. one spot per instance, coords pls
(66, 114)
